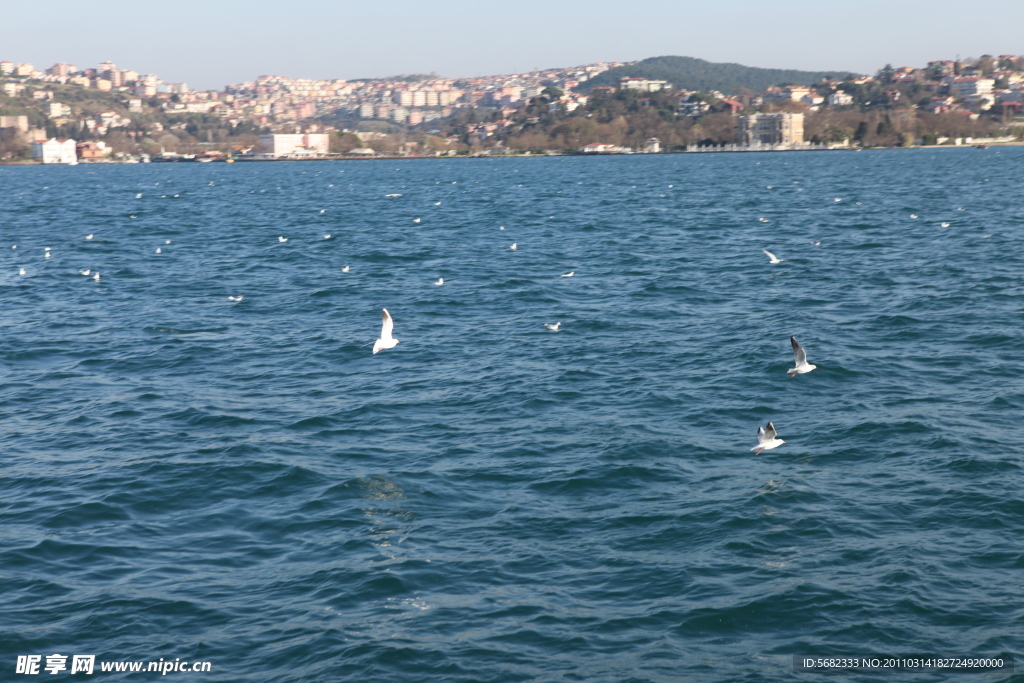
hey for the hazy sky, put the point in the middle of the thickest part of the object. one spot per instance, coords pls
(214, 42)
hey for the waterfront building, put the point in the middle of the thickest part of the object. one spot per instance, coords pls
(54, 151)
(771, 129)
(295, 143)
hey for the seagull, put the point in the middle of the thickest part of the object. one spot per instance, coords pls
(943, 225)
(440, 281)
(415, 220)
(282, 239)
(323, 210)
(21, 272)
(47, 254)
(437, 203)
(960, 209)
(513, 247)
(14, 246)
(766, 439)
(800, 355)
(816, 243)
(96, 277)
(89, 236)
(762, 220)
(46, 249)
(501, 227)
(553, 326)
(85, 272)
(838, 199)
(236, 298)
(158, 250)
(386, 341)
(167, 241)
(345, 269)
(138, 196)
(569, 274)
(913, 215)
(327, 237)
(773, 258)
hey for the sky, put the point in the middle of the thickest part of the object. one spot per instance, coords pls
(211, 43)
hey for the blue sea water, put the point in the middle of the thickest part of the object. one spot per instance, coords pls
(245, 483)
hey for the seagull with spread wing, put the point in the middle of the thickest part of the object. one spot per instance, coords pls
(386, 341)
(766, 439)
(800, 355)
(772, 257)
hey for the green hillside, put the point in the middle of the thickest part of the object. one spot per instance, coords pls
(690, 73)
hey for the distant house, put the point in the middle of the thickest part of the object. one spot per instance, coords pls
(732, 106)
(643, 84)
(92, 150)
(295, 143)
(54, 151)
(771, 129)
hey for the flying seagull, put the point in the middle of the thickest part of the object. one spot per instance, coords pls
(773, 258)
(766, 439)
(236, 298)
(386, 341)
(802, 365)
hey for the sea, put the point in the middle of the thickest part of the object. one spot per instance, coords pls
(191, 478)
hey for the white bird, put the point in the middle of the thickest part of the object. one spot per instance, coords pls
(960, 209)
(89, 236)
(943, 225)
(21, 271)
(440, 281)
(415, 220)
(816, 243)
(766, 439)
(800, 355)
(327, 237)
(913, 215)
(838, 199)
(282, 239)
(46, 249)
(386, 341)
(345, 269)
(762, 220)
(513, 247)
(553, 326)
(14, 246)
(158, 250)
(96, 277)
(569, 274)
(167, 241)
(501, 227)
(236, 298)
(138, 196)
(85, 272)
(323, 210)
(47, 254)
(437, 203)
(772, 257)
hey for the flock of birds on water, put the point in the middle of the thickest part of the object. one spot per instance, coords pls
(767, 436)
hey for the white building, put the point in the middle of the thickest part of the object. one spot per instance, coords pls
(295, 143)
(771, 129)
(967, 86)
(643, 84)
(840, 99)
(54, 151)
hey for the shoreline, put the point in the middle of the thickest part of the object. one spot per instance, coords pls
(702, 150)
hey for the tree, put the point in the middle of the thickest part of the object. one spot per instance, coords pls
(885, 74)
(343, 143)
(552, 93)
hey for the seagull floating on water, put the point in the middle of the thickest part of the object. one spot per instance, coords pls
(943, 225)
(838, 199)
(913, 215)
(800, 355)
(47, 254)
(85, 272)
(569, 274)
(96, 277)
(772, 257)
(159, 250)
(236, 298)
(766, 439)
(553, 326)
(501, 227)
(21, 271)
(167, 241)
(345, 269)
(323, 210)
(440, 281)
(816, 243)
(386, 341)
(89, 236)
(327, 237)
(762, 219)
(282, 239)
(513, 247)
(415, 220)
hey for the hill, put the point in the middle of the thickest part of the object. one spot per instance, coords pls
(690, 73)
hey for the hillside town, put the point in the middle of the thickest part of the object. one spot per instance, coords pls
(102, 114)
